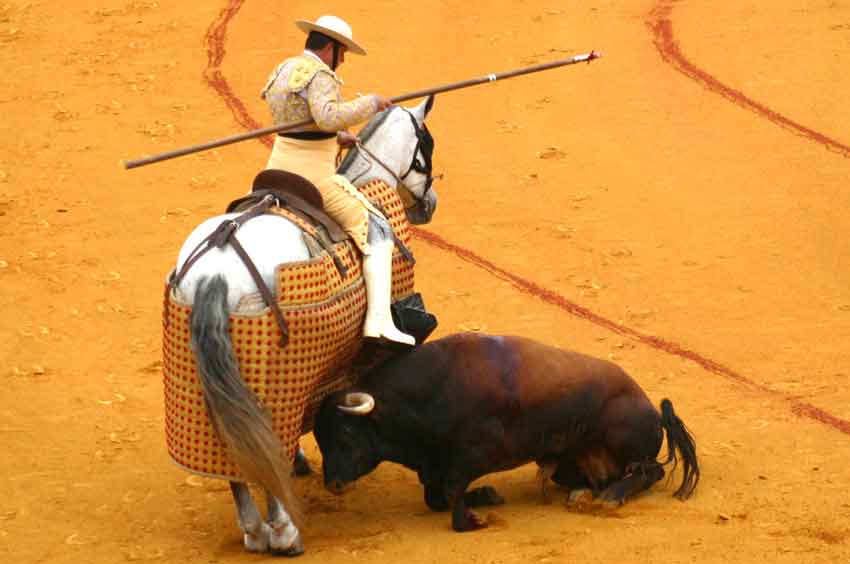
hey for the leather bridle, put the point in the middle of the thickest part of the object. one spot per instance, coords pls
(424, 148)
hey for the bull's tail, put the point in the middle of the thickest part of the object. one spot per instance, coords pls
(236, 413)
(680, 439)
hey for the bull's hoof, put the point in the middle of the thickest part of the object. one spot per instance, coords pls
(609, 500)
(580, 501)
(584, 501)
(483, 496)
(471, 522)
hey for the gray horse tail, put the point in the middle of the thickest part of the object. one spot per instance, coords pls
(236, 414)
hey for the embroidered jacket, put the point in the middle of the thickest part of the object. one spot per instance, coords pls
(304, 87)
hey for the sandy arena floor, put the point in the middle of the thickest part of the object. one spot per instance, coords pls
(680, 206)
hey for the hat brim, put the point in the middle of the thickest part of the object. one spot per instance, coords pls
(350, 44)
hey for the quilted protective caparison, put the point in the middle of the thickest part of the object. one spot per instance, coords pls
(324, 313)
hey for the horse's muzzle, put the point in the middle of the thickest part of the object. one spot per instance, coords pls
(423, 210)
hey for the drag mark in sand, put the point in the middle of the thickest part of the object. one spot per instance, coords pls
(661, 24)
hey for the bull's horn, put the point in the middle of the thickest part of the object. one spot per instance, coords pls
(357, 403)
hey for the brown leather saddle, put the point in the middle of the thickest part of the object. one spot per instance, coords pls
(295, 193)
(270, 188)
(300, 196)
(285, 190)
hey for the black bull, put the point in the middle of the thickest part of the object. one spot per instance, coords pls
(466, 405)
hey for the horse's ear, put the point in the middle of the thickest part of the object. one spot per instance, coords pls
(429, 103)
(422, 109)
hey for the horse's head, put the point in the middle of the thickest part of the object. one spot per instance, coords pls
(397, 147)
(417, 178)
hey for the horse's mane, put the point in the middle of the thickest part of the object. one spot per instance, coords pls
(376, 122)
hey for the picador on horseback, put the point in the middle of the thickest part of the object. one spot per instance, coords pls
(270, 304)
(307, 86)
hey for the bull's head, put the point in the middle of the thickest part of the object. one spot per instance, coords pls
(347, 439)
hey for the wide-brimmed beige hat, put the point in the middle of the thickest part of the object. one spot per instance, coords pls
(335, 28)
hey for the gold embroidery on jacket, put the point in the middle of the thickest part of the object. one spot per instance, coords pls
(303, 88)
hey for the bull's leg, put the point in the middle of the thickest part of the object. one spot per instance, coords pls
(463, 519)
(436, 499)
(256, 532)
(544, 473)
(638, 478)
(284, 537)
(633, 442)
(466, 463)
(482, 497)
(569, 476)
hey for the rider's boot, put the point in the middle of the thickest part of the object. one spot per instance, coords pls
(377, 271)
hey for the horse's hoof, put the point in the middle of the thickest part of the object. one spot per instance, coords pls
(259, 541)
(295, 549)
(285, 541)
(302, 465)
(289, 552)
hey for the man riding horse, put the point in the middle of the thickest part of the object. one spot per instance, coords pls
(307, 87)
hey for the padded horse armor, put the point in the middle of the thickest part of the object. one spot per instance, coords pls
(324, 309)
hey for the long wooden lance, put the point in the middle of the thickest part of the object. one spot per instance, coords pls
(280, 128)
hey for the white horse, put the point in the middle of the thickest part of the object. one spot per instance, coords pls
(396, 148)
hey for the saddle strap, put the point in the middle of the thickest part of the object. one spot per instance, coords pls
(218, 238)
(402, 248)
(226, 233)
(311, 219)
(264, 290)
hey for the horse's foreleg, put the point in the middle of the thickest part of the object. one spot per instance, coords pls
(284, 537)
(256, 531)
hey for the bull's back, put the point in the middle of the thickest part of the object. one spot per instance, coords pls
(571, 402)
(505, 372)
(530, 386)
(548, 374)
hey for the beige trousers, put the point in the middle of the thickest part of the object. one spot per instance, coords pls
(314, 160)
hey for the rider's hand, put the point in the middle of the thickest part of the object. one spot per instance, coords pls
(382, 103)
(345, 139)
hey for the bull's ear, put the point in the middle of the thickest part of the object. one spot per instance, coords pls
(357, 403)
